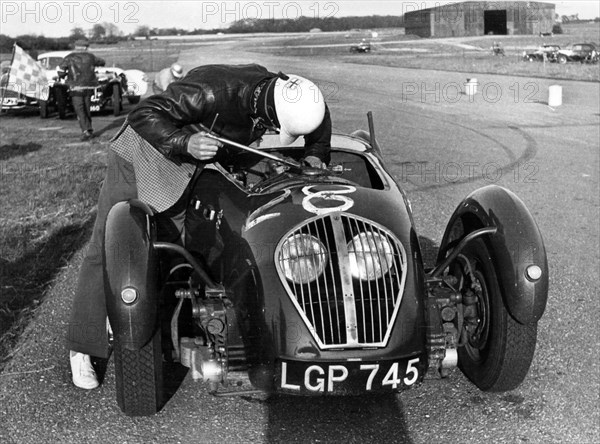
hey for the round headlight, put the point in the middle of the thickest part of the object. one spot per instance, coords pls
(371, 256)
(303, 258)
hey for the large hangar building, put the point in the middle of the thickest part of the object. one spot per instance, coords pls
(481, 18)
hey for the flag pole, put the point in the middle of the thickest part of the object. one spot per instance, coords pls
(12, 59)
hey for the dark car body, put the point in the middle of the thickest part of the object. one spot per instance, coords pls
(312, 282)
(113, 84)
(108, 93)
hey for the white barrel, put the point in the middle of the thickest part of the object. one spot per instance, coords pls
(471, 87)
(555, 96)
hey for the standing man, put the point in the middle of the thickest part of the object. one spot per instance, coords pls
(157, 153)
(167, 76)
(78, 68)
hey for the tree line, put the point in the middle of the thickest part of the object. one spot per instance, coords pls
(100, 33)
(108, 33)
(300, 24)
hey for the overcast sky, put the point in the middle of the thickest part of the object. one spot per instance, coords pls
(57, 18)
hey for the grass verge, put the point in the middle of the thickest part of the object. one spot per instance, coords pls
(49, 184)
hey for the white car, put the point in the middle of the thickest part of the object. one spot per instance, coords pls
(137, 81)
(113, 84)
(12, 98)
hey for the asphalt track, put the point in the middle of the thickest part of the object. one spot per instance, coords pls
(439, 147)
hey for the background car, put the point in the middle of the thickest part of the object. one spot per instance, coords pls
(12, 99)
(579, 52)
(550, 51)
(113, 84)
(363, 46)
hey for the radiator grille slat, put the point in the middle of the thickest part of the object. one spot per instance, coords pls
(332, 306)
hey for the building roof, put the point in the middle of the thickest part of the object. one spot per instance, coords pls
(496, 5)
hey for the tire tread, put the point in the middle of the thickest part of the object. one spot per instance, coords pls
(139, 378)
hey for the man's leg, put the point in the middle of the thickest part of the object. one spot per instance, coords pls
(87, 328)
(81, 104)
(87, 105)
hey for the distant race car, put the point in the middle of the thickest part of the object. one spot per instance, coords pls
(550, 51)
(113, 84)
(363, 46)
(579, 52)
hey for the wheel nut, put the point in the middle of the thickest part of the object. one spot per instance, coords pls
(129, 295)
(533, 272)
(215, 326)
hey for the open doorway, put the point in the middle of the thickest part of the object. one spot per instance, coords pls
(494, 22)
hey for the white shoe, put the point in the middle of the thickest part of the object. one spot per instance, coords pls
(84, 375)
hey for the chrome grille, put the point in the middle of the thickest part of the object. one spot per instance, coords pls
(340, 309)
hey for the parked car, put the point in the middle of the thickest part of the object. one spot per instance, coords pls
(12, 99)
(363, 46)
(550, 52)
(311, 282)
(113, 85)
(579, 52)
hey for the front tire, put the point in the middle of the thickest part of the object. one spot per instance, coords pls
(139, 378)
(497, 353)
(562, 59)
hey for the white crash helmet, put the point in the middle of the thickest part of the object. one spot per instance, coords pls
(299, 105)
(177, 70)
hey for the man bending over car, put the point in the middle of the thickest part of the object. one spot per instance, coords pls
(157, 154)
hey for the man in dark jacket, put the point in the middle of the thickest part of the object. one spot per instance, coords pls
(159, 150)
(78, 68)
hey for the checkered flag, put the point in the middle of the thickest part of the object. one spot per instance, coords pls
(27, 76)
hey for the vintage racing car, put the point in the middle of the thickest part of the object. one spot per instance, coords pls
(113, 85)
(311, 282)
(549, 52)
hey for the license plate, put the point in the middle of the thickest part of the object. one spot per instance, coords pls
(95, 108)
(347, 376)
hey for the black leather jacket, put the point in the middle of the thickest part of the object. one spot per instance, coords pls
(163, 120)
(78, 67)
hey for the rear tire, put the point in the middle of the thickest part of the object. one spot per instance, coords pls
(44, 112)
(60, 94)
(497, 356)
(139, 378)
(562, 59)
(116, 100)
